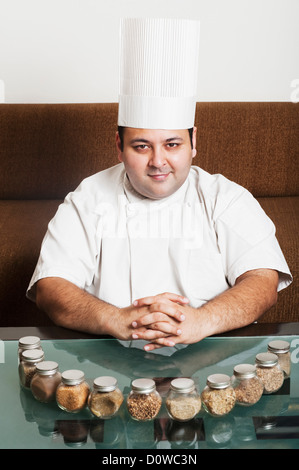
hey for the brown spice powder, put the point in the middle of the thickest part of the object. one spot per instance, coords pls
(44, 387)
(72, 397)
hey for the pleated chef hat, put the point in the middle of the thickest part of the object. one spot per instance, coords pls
(158, 73)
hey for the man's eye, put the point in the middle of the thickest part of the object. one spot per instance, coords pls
(141, 147)
(172, 145)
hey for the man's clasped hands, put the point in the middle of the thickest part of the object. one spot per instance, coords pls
(163, 320)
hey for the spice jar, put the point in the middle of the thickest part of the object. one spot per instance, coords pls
(27, 367)
(183, 401)
(28, 342)
(105, 399)
(248, 387)
(45, 381)
(144, 402)
(218, 397)
(72, 392)
(282, 351)
(269, 371)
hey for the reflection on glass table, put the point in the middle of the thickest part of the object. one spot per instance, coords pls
(273, 422)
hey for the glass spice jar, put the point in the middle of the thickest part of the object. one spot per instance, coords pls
(72, 392)
(105, 399)
(282, 351)
(45, 381)
(218, 397)
(269, 371)
(144, 401)
(27, 366)
(28, 342)
(248, 387)
(183, 401)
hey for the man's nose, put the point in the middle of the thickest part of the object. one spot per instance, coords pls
(157, 158)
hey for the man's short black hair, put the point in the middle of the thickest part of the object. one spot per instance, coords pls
(121, 136)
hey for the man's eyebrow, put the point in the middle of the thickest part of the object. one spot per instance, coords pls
(145, 141)
(174, 138)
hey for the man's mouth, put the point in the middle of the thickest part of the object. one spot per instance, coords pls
(159, 176)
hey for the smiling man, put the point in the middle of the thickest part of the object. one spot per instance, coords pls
(155, 248)
(157, 162)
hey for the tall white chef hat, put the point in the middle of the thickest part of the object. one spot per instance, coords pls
(158, 73)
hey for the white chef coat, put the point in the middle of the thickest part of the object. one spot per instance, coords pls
(120, 246)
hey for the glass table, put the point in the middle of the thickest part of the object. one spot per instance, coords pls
(271, 423)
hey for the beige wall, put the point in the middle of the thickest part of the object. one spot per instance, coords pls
(67, 50)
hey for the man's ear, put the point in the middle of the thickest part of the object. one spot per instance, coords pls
(194, 151)
(118, 147)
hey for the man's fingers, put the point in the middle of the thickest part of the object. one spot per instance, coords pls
(156, 330)
(165, 296)
(159, 312)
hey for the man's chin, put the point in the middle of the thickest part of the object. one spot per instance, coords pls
(162, 194)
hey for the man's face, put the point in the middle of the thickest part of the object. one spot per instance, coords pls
(157, 162)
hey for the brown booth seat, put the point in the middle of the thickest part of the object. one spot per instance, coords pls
(47, 149)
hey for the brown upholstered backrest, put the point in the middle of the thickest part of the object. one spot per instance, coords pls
(253, 144)
(47, 149)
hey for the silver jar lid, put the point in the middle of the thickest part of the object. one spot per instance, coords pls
(245, 371)
(218, 381)
(279, 346)
(72, 377)
(266, 359)
(105, 383)
(32, 355)
(182, 385)
(47, 367)
(29, 342)
(143, 385)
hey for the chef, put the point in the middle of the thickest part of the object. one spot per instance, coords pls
(154, 248)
